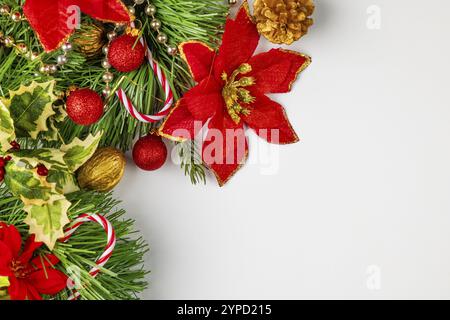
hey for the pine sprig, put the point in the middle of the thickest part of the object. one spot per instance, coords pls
(182, 20)
(123, 277)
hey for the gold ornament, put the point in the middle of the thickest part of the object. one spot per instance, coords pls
(283, 21)
(90, 39)
(103, 171)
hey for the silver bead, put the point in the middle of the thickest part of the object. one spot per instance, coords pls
(172, 50)
(155, 24)
(66, 47)
(22, 48)
(105, 64)
(52, 68)
(139, 1)
(61, 60)
(161, 38)
(16, 16)
(132, 10)
(105, 50)
(107, 91)
(8, 41)
(42, 68)
(150, 10)
(111, 35)
(108, 77)
(4, 9)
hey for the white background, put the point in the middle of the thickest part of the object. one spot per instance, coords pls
(365, 193)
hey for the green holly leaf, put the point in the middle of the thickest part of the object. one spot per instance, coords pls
(47, 221)
(50, 158)
(65, 181)
(79, 151)
(7, 133)
(30, 107)
(54, 124)
(27, 184)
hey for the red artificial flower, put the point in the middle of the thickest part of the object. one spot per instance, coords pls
(28, 277)
(54, 21)
(231, 91)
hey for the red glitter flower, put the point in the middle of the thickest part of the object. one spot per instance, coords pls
(231, 92)
(28, 277)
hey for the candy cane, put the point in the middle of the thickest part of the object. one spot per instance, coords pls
(127, 103)
(111, 242)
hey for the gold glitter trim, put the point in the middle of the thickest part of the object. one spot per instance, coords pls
(183, 54)
(161, 128)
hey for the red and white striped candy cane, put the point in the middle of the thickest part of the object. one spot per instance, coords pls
(162, 79)
(111, 242)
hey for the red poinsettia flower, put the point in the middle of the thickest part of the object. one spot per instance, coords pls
(231, 92)
(28, 277)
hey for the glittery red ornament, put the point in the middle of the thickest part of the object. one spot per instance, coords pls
(84, 106)
(126, 53)
(150, 152)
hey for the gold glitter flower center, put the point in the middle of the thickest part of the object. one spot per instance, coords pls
(234, 93)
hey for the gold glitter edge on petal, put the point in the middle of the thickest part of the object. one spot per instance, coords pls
(183, 55)
(161, 128)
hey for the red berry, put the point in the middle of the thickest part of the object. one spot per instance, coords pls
(150, 153)
(42, 170)
(84, 106)
(2, 162)
(8, 158)
(15, 146)
(126, 53)
(2, 174)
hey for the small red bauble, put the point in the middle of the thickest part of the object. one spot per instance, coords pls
(84, 106)
(150, 153)
(126, 53)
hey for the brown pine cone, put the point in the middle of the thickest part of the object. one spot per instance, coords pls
(283, 21)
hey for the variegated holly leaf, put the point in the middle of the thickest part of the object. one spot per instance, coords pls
(65, 181)
(47, 221)
(50, 158)
(27, 184)
(4, 282)
(30, 107)
(53, 124)
(7, 133)
(80, 151)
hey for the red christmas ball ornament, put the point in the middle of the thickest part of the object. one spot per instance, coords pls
(150, 152)
(84, 106)
(126, 53)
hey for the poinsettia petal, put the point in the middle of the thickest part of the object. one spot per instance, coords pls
(30, 247)
(47, 261)
(50, 282)
(32, 293)
(199, 58)
(239, 42)
(180, 124)
(225, 148)
(17, 289)
(10, 236)
(205, 99)
(105, 10)
(5, 259)
(269, 120)
(51, 32)
(55, 31)
(277, 69)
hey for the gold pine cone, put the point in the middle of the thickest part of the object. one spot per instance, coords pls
(283, 21)
(90, 39)
(103, 171)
